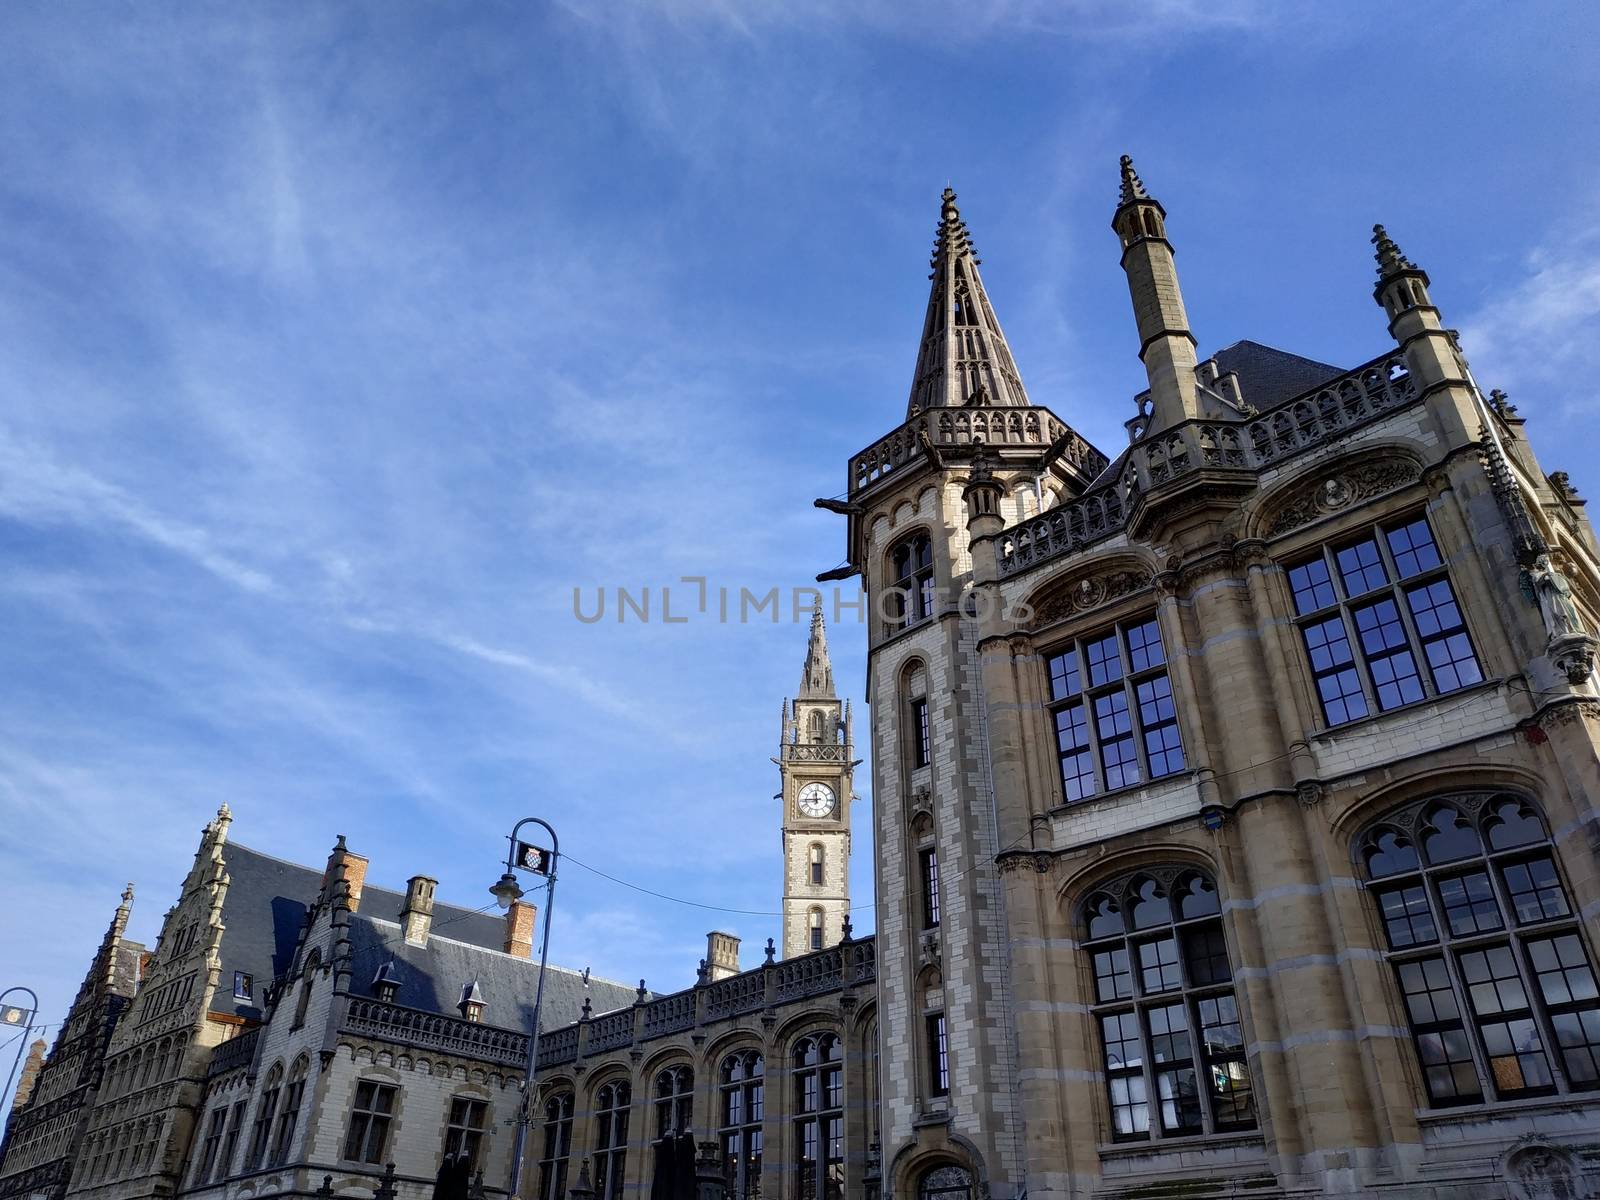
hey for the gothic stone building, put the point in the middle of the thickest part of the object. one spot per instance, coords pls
(1234, 797)
(51, 1109)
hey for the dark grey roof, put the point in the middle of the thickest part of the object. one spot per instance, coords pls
(1268, 377)
(266, 907)
(431, 977)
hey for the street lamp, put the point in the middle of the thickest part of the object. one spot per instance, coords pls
(507, 892)
(13, 1016)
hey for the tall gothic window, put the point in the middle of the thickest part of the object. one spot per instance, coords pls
(741, 1091)
(928, 868)
(230, 1143)
(816, 865)
(910, 596)
(289, 1113)
(556, 1147)
(1114, 715)
(1380, 622)
(819, 1116)
(1487, 950)
(921, 748)
(1169, 1023)
(208, 1152)
(938, 1056)
(674, 1100)
(260, 1132)
(611, 1139)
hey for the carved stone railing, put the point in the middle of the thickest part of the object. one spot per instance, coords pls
(558, 1046)
(768, 986)
(611, 1030)
(1300, 424)
(669, 1014)
(962, 427)
(736, 994)
(234, 1053)
(433, 1031)
(816, 752)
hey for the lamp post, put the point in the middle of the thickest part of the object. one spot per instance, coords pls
(14, 1017)
(507, 891)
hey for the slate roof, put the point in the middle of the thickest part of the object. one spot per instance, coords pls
(266, 907)
(1268, 377)
(431, 977)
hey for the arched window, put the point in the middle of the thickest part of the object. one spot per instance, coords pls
(1487, 950)
(816, 864)
(313, 963)
(816, 929)
(1169, 1023)
(819, 1116)
(741, 1088)
(557, 1145)
(947, 1182)
(266, 1107)
(910, 595)
(674, 1100)
(611, 1139)
(289, 1113)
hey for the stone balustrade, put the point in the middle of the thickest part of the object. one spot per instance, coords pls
(1300, 424)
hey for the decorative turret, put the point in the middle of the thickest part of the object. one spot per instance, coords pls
(1431, 354)
(1401, 285)
(1165, 344)
(963, 360)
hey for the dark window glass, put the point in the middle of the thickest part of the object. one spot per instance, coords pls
(1413, 548)
(1361, 568)
(1388, 654)
(1469, 904)
(1406, 918)
(938, 1061)
(1536, 892)
(930, 888)
(1333, 668)
(919, 732)
(1313, 589)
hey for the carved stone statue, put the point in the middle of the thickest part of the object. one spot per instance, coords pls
(1570, 646)
(1553, 594)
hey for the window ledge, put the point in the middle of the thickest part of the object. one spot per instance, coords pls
(1122, 793)
(937, 1116)
(1531, 1105)
(1330, 732)
(1198, 1141)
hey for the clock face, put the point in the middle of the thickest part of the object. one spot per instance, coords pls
(816, 800)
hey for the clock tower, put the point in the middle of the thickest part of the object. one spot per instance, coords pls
(815, 762)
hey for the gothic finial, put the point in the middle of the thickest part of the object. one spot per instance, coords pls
(640, 993)
(848, 930)
(702, 974)
(772, 953)
(588, 1010)
(1500, 404)
(339, 847)
(1390, 260)
(127, 895)
(1132, 185)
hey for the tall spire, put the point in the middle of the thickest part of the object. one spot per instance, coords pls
(1132, 185)
(963, 359)
(1390, 260)
(816, 681)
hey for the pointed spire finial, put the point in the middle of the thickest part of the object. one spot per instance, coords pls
(127, 895)
(1132, 185)
(816, 681)
(1390, 260)
(963, 358)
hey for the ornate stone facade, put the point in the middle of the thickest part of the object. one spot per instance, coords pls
(1263, 782)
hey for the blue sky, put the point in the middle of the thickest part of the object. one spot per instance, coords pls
(340, 342)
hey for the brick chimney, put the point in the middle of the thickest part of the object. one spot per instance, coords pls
(416, 918)
(355, 872)
(722, 956)
(519, 929)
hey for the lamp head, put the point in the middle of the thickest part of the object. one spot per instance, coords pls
(507, 891)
